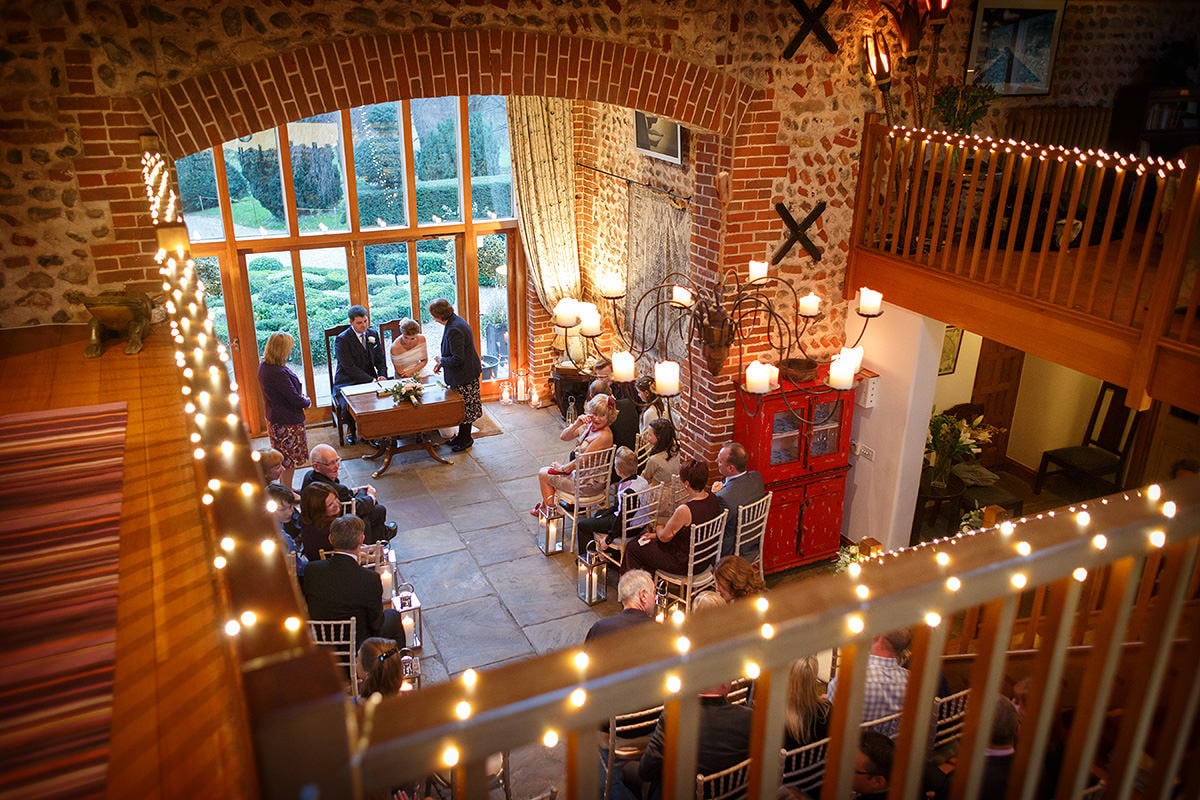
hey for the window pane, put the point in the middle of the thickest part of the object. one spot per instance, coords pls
(435, 147)
(389, 290)
(493, 303)
(491, 159)
(198, 193)
(326, 283)
(379, 165)
(273, 298)
(258, 213)
(208, 269)
(437, 277)
(319, 173)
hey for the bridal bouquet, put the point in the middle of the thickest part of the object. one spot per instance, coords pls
(407, 389)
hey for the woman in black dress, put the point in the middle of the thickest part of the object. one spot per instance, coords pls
(666, 547)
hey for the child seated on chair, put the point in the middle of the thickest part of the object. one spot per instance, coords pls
(605, 524)
(594, 435)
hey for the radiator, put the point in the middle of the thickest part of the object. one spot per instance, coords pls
(1082, 127)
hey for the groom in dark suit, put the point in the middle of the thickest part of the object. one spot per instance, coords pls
(360, 359)
(739, 487)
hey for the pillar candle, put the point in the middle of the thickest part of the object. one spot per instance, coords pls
(666, 378)
(681, 296)
(870, 302)
(774, 376)
(810, 305)
(758, 377)
(758, 270)
(612, 286)
(589, 319)
(622, 366)
(853, 355)
(566, 312)
(841, 376)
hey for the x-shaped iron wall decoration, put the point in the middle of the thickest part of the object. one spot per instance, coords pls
(812, 24)
(799, 232)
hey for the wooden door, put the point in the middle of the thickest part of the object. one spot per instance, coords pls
(997, 380)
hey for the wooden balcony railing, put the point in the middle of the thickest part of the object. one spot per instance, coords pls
(1105, 241)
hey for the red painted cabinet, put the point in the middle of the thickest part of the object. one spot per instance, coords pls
(801, 444)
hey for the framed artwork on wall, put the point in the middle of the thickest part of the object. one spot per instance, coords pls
(950, 347)
(1013, 44)
(658, 137)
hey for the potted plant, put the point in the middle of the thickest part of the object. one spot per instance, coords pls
(958, 108)
(951, 440)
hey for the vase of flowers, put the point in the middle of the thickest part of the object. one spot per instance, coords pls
(952, 440)
(407, 389)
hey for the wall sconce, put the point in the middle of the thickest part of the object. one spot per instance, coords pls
(879, 62)
(910, 18)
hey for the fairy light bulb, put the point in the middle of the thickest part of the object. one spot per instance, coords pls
(219, 562)
(233, 627)
(581, 660)
(683, 644)
(761, 604)
(1168, 509)
(1099, 541)
(674, 684)
(1158, 538)
(677, 616)
(450, 756)
(268, 546)
(767, 631)
(1024, 548)
(292, 624)
(1079, 574)
(1018, 580)
(855, 623)
(855, 569)
(943, 559)
(1006, 528)
(249, 618)
(550, 738)
(933, 619)
(227, 544)
(462, 710)
(752, 670)
(577, 698)
(862, 591)
(953, 584)
(1083, 518)
(469, 678)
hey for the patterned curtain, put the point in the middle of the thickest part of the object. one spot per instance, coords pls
(544, 182)
(659, 244)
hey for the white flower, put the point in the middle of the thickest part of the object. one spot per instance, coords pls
(371, 339)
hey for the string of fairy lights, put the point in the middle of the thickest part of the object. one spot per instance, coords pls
(221, 447)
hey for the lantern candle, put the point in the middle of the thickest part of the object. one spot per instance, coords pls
(681, 297)
(385, 578)
(854, 356)
(758, 377)
(566, 313)
(589, 319)
(506, 395)
(758, 271)
(622, 366)
(612, 286)
(870, 302)
(534, 400)
(666, 378)
(810, 305)
(841, 376)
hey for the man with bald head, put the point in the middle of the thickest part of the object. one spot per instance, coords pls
(325, 465)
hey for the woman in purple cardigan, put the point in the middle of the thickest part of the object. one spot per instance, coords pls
(285, 405)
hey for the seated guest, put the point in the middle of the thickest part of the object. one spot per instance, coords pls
(873, 766)
(663, 462)
(806, 718)
(359, 354)
(667, 546)
(367, 657)
(605, 524)
(271, 463)
(707, 599)
(594, 434)
(648, 400)
(319, 507)
(325, 465)
(339, 587)
(887, 681)
(625, 425)
(997, 761)
(386, 674)
(736, 578)
(289, 523)
(409, 354)
(635, 593)
(738, 487)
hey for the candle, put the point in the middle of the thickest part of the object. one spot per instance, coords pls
(534, 400)
(622, 366)
(612, 286)
(758, 377)
(406, 622)
(522, 389)
(682, 297)
(853, 355)
(774, 376)
(758, 270)
(810, 305)
(666, 378)
(566, 312)
(385, 578)
(589, 319)
(841, 376)
(506, 395)
(870, 302)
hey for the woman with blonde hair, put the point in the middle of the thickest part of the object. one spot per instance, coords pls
(285, 404)
(408, 351)
(806, 718)
(594, 433)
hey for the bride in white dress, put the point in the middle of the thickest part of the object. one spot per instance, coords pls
(409, 354)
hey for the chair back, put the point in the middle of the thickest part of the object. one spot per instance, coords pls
(338, 423)
(641, 448)
(705, 548)
(804, 767)
(739, 691)
(626, 739)
(950, 715)
(1114, 430)
(338, 636)
(888, 725)
(728, 784)
(637, 511)
(389, 332)
(593, 469)
(751, 525)
(373, 555)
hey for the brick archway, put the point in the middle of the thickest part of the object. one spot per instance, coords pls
(207, 110)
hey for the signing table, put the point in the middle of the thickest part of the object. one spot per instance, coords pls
(382, 419)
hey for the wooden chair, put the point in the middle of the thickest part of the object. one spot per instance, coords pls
(338, 636)
(591, 469)
(728, 784)
(625, 740)
(371, 555)
(637, 511)
(751, 525)
(703, 552)
(950, 716)
(338, 422)
(391, 329)
(803, 767)
(739, 691)
(641, 449)
(1102, 455)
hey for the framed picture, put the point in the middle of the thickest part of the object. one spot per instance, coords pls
(658, 137)
(950, 347)
(1013, 44)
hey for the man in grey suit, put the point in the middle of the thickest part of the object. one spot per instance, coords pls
(739, 487)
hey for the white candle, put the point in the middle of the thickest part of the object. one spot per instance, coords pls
(506, 396)
(622, 366)
(774, 376)
(612, 286)
(566, 312)
(758, 377)
(522, 389)
(385, 578)
(810, 305)
(841, 376)
(406, 622)
(854, 356)
(870, 302)
(758, 270)
(534, 400)
(589, 319)
(666, 378)
(681, 296)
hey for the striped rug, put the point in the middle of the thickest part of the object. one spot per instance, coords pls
(60, 514)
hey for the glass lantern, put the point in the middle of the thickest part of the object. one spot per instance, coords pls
(409, 606)
(410, 670)
(550, 523)
(592, 569)
(506, 393)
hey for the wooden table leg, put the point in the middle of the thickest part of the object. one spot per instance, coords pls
(387, 450)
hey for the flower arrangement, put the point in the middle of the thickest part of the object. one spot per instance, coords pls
(407, 389)
(972, 520)
(952, 440)
(848, 554)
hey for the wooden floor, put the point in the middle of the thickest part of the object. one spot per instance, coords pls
(179, 722)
